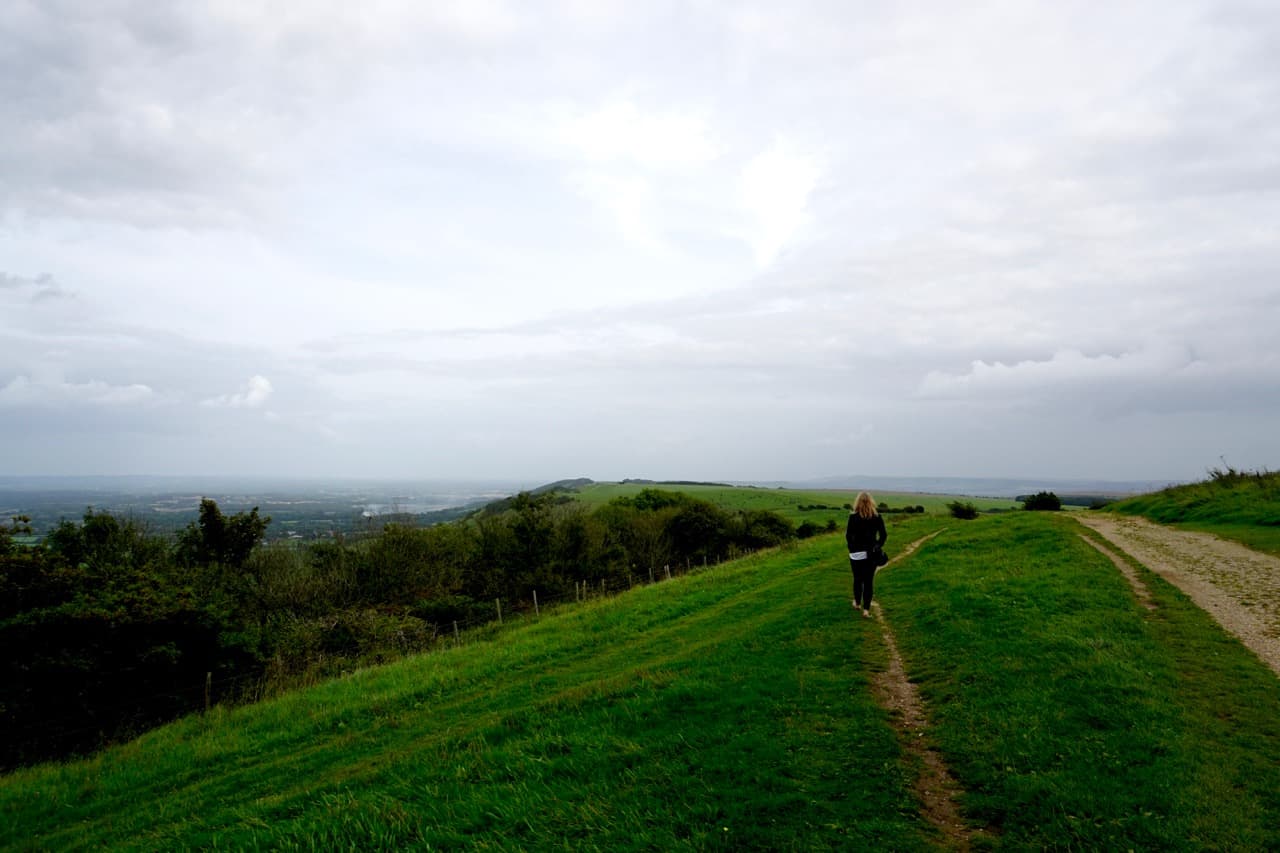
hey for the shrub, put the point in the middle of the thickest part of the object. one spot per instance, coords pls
(1043, 501)
(760, 528)
(962, 509)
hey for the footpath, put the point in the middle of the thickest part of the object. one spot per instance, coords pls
(1237, 586)
(935, 786)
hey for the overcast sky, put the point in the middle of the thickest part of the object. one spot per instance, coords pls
(720, 240)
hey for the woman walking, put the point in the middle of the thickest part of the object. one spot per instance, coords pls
(865, 536)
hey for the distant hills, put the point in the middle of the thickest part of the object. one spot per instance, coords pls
(990, 487)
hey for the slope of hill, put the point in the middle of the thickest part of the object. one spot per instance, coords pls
(721, 709)
(733, 709)
(1239, 505)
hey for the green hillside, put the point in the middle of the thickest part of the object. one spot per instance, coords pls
(794, 504)
(732, 709)
(1240, 505)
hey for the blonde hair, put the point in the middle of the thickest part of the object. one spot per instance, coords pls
(865, 506)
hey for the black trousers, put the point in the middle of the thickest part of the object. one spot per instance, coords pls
(864, 573)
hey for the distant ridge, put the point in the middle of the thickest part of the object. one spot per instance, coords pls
(562, 485)
(992, 487)
(642, 481)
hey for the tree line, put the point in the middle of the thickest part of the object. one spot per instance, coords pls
(107, 629)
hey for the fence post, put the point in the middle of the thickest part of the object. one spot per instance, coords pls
(602, 586)
(651, 574)
(667, 569)
(498, 601)
(208, 688)
(456, 638)
(536, 611)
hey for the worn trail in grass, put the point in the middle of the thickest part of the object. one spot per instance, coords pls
(935, 786)
(1074, 717)
(729, 709)
(1238, 586)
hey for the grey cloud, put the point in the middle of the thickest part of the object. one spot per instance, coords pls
(178, 371)
(104, 124)
(194, 115)
(1105, 185)
(39, 288)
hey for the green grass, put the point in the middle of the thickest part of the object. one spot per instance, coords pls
(785, 502)
(1244, 506)
(1073, 717)
(732, 709)
(728, 709)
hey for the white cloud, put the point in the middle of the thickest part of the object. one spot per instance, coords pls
(630, 203)
(252, 395)
(373, 23)
(24, 391)
(620, 132)
(775, 188)
(1038, 374)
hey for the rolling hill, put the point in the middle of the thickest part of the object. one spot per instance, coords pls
(735, 708)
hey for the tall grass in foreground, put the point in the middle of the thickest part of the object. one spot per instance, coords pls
(1074, 718)
(1240, 505)
(724, 710)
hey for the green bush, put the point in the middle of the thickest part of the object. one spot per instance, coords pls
(962, 509)
(103, 596)
(1043, 501)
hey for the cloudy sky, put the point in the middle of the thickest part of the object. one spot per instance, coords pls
(725, 240)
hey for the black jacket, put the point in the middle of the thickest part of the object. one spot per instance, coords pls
(863, 534)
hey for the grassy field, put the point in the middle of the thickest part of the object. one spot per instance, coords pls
(786, 502)
(1075, 718)
(731, 709)
(1239, 505)
(719, 710)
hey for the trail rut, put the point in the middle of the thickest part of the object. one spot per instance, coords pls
(935, 787)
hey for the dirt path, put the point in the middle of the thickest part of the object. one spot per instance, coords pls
(937, 790)
(1139, 588)
(1238, 587)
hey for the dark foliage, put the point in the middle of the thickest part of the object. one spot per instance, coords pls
(102, 636)
(106, 629)
(1043, 501)
(218, 539)
(884, 509)
(963, 510)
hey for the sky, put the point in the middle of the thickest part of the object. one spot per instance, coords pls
(704, 240)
